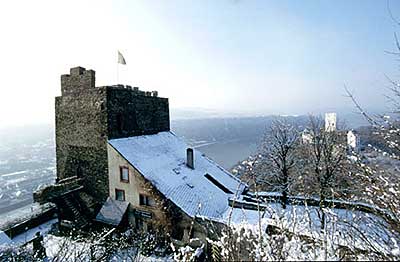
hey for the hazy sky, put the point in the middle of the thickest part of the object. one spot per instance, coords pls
(259, 57)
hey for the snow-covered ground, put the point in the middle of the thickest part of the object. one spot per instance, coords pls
(30, 234)
(65, 249)
(70, 249)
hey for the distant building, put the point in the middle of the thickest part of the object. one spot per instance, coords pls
(330, 122)
(349, 139)
(353, 141)
(306, 137)
(330, 126)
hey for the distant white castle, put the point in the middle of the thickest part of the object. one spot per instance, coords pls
(353, 139)
(330, 122)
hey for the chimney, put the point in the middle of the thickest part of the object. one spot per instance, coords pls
(190, 158)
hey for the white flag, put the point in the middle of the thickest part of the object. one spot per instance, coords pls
(121, 59)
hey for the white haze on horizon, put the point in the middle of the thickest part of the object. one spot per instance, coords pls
(203, 55)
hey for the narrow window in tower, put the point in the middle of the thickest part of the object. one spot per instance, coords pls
(79, 172)
(124, 174)
(120, 123)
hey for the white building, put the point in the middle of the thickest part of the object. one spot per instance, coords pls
(330, 122)
(306, 137)
(353, 140)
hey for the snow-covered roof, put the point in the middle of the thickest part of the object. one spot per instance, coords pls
(112, 212)
(161, 159)
(4, 239)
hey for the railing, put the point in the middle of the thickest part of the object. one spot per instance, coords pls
(251, 202)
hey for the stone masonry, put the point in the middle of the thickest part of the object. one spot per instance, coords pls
(87, 116)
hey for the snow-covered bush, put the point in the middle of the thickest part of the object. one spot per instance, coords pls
(11, 253)
(188, 253)
(294, 233)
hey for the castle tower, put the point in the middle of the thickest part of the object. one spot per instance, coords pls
(87, 116)
(330, 122)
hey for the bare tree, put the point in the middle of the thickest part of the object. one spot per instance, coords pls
(279, 147)
(326, 156)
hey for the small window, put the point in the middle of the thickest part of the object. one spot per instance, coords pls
(120, 123)
(79, 172)
(177, 233)
(139, 223)
(120, 194)
(124, 174)
(146, 200)
(150, 227)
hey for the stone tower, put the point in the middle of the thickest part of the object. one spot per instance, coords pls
(87, 116)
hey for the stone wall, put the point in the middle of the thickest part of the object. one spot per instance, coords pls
(81, 137)
(87, 116)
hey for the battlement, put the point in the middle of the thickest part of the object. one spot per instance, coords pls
(136, 90)
(78, 80)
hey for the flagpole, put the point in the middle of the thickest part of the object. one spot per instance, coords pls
(120, 60)
(117, 71)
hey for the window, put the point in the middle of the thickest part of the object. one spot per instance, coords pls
(149, 227)
(120, 123)
(177, 233)
(79, 172)
(146, 200)
(120, 194)
(124, 174)
(142, 220)
(139, 223)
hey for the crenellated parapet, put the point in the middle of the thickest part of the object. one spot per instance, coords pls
(77, 80)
